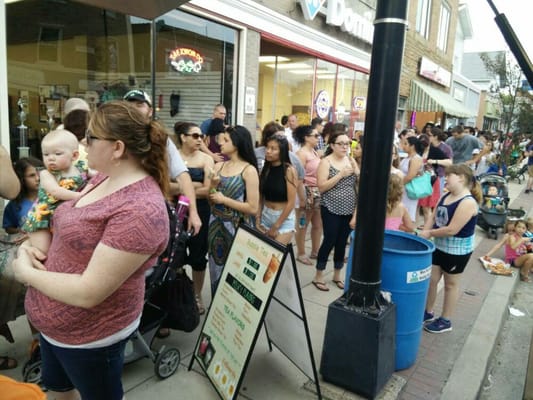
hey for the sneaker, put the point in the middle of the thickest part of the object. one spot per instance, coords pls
(439, 325)
(428, 316)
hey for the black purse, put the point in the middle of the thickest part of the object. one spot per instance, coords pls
(176, 297)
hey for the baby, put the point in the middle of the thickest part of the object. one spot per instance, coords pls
(61, 180)
(493, 200)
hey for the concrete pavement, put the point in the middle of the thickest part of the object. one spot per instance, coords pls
(449, 366)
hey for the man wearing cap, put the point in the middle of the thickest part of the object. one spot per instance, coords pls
(219, 112)
(177, 169)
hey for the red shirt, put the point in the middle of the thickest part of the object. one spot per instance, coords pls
(133, 219)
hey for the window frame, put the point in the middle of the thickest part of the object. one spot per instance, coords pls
(423, 17)
(444, 26)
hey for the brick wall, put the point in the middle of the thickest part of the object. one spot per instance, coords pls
(417, 46)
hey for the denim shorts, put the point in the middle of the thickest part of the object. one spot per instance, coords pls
(270, 216)
(95, 373)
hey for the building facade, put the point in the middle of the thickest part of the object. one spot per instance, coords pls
(260, 61)
(428, 92)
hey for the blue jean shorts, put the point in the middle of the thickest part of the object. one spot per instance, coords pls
(270, 216)
(95, 373)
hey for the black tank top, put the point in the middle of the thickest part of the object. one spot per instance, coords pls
(274, 185)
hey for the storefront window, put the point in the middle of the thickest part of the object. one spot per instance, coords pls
(285, 87)
(308, 87)
(57, 50)
(195, 65)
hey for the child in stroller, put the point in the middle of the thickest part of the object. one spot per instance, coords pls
(493, 210)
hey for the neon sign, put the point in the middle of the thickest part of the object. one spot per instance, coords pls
(185, 60)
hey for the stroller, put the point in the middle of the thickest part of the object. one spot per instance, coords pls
(518, 171)
(166, 360)
(494, 208)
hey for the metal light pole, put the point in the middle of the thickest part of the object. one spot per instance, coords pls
(358, 352)
(513, 43)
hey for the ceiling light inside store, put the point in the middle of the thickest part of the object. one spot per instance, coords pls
(309, 71)
(271, 59)
(289, 66)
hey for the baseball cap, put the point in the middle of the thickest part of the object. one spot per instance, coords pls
(75, 103)
(138, 95)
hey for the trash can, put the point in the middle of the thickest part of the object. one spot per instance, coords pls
(405, 272)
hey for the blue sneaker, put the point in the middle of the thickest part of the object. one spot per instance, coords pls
(440, 325)
(428, 316)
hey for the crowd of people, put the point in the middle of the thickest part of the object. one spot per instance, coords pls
(92, 217)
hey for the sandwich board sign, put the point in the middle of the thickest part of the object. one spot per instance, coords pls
(238, 308)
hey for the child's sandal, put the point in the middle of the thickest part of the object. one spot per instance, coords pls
(525, 278)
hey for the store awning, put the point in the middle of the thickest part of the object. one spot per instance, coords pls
(148, 9)
(424, 98)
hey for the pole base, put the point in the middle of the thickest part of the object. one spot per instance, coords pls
(358, 351)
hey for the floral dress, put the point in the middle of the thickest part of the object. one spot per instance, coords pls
(223, 223)
(40, 215)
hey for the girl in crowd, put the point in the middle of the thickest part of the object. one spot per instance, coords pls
(87, 298)
(411, 166)
(16, 210)
(61, 180)
(433, 158)
(397, 217)
(234, 196)
(358, 151)
(199, 164)
(277, 188)
(337, 180)
(452, 226)
(515, 249)
(308, 139)
(438, 139)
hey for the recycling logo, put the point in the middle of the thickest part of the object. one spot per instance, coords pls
(310, 8)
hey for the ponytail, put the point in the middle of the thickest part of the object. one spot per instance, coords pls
(155, 162)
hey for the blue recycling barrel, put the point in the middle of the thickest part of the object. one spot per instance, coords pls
(405, 272)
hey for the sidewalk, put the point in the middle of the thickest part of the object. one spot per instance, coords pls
(449, 366)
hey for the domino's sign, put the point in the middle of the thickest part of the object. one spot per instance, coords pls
(338, 14)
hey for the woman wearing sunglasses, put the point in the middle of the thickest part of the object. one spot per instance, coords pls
(337, 182)
(190, 139)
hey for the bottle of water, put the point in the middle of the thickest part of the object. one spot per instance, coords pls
(182, 209)
(301, 221)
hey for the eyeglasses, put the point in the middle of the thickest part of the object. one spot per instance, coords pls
(343, 144)
(195, 136)
(89, 137)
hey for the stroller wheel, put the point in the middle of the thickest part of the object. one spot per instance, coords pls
(32, 372)
(167, 363)
(493, 233)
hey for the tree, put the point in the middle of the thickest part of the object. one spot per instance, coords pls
(510, 96)
(524, 121)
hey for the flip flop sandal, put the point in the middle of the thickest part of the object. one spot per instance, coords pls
(304, 260)
(339, 284)
(321, 286)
